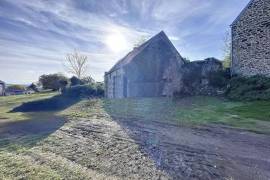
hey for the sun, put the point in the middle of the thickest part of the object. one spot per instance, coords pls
(116, 42)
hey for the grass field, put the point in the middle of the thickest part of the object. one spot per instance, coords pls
(25, 156)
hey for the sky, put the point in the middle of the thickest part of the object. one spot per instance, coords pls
(36, 35)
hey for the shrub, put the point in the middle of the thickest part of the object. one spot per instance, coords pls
(249, 88)
(87, 80)
(74, 81)
(33, 87)
(218, 79)
(15, 87)
(53, 81)
(100, 89)
(88, 90)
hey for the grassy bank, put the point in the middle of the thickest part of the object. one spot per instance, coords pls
(253, 116)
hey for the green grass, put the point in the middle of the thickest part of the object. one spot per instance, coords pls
(256, 110)
(252, 116)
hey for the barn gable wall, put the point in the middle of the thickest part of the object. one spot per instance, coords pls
(152, 72)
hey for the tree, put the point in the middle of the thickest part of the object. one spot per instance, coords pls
(76, 64)
(63, 84)
(88, 80)
(15, 87)
(75, 81)
(53, 81)
(227, 49)
(34, 87)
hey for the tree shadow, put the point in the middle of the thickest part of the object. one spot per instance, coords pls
(41, 121)
(55, 103)
(26, 133)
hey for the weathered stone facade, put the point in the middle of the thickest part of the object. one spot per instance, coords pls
(196, 76)
(251, 40)
(148, 71)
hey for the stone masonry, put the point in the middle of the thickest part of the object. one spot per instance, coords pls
(251, 40)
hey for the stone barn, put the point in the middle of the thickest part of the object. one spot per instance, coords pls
(2, 88)
(150, 70)
(251, 40)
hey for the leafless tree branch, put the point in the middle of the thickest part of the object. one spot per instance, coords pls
(76, 64)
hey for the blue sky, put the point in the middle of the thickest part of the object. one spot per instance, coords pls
(36, 35)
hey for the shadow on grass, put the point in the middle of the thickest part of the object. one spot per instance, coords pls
(26, 133)
(55, 103)
(41, 121)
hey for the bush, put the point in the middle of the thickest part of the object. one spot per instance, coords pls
(87, 80)
(74, 81)
(53, 81)
(15, 87)
(33, 87)
(100, 89)
(251, 88)
(88, 90)
(218, 79)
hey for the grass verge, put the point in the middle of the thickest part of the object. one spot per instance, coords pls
(252, 116)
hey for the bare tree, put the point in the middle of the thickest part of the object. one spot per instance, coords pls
(76, 64)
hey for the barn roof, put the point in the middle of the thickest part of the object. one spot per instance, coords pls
(242, 12)
(2, 82)
(131, 55)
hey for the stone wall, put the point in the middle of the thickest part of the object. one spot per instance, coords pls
(251, 40)
(197, 77)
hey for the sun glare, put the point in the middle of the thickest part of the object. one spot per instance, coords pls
(116, 42)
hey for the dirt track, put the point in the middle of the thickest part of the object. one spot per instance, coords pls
(205, 152)
(130, 148)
